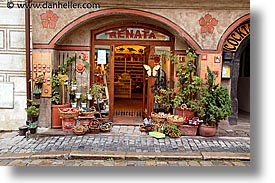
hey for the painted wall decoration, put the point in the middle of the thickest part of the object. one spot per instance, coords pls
(207, 23)
(49, 19)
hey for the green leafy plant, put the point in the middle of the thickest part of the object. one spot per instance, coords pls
(36, 91)
(172, 131)
(164, 98)
(188, 83)
(83, 98)
(215, 102)
(32, 111)
(55, 89)
(64, 67)
(96, 89)
(32, 125)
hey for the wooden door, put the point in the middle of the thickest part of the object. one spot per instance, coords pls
(148, 96)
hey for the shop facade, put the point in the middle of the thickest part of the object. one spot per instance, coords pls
(120, 39)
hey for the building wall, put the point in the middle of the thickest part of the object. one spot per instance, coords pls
(184, 14)
(12, 65)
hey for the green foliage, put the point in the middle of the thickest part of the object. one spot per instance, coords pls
(32, 125)
(55, 90)
(215, 102)
(36, 91)
(172, 131)
(83, 98)
(164, 98)
(32, 111)
(96, 89)
(64, 68)
(188, 83)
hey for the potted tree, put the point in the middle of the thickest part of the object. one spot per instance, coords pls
(56, 102)
(188, 85)
(214, 105)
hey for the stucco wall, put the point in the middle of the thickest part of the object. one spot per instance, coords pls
(186, 18)
(13, 64)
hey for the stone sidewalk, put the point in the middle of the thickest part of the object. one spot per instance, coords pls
(127, 143)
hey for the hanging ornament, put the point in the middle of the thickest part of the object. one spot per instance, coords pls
(80, 68)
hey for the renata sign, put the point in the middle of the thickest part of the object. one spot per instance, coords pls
(132, 34)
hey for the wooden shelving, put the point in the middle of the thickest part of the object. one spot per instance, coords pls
(123, 88)
(131, 64)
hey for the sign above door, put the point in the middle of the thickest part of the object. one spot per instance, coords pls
(132, 33)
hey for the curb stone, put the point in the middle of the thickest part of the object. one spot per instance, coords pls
(95, 155)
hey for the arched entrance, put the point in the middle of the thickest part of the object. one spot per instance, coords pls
(236, 53)
(83, 34)
(119, 56)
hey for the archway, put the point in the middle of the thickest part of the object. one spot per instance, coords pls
(236, 49)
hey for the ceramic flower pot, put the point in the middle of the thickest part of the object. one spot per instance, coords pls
(188, 130)
(89, 96)
(77, 95)
(74, 104)
(207, 131)
(83, 104)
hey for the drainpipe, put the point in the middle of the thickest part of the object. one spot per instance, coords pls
(28, 49)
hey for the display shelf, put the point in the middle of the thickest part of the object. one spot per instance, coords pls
(123, 88)
(133, 65)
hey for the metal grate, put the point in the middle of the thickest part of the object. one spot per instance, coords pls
(127, 112)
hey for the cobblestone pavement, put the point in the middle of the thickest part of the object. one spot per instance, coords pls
(111, 162)
(123, 139)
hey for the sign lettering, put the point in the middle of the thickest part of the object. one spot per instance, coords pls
(132, 34)
(236, 37)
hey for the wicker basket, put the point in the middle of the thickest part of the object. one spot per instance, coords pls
(80, 130)
(68, 112)
(175, 120)
(158, 117)
(92, 113)
(106, 127)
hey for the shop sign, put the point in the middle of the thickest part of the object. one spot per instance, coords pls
(132, 34)
(236, 37)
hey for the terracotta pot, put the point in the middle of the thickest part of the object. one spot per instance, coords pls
(56, 121)
(68, 124)
(188, 130)
(185, 112)
(207, 131)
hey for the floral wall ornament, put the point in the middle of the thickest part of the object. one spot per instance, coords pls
(207, 23)
(49, 19)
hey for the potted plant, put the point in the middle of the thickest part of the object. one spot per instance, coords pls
(83, 100)
(164, 100)
(97, 89)
(172, 131)
(37, 93)
(74, 103)
(32, 113)
(188, 85)
(214, 105)
(56, 102)
(73, 85)
(191, 127)
(39, 80)
(32, 127)
(71, 92)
